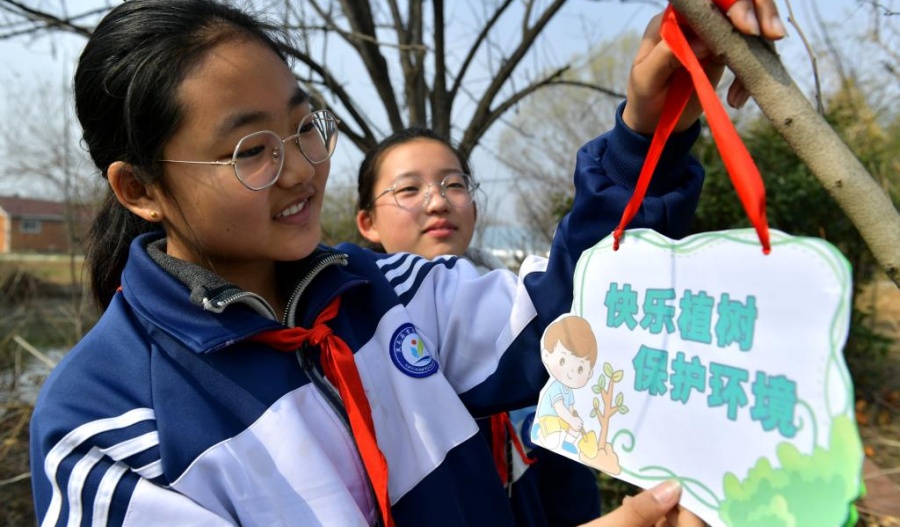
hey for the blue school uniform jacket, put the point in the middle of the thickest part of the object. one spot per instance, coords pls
(165, 414)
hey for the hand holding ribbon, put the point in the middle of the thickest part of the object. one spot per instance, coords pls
(660, 101)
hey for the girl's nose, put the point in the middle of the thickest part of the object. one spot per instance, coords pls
(434, 200)
(297, 169)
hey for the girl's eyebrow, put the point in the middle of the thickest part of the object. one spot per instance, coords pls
(242, 119)
(441, 172)
(297, 99)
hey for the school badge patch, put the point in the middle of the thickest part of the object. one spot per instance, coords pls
(409, 354)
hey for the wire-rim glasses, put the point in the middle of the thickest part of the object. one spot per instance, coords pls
(412, 193)
(258, 158)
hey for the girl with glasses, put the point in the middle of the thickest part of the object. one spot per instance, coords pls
(242, 374)
(399, 212)
(416, 194)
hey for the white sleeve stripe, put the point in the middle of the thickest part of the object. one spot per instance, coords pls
(411, 281)
(85, 464)
(76, 483)
(150, 470)
(71, 441)
(399, 271)
(523, 306)
(105, 493)
(390, 260)
(132, 446)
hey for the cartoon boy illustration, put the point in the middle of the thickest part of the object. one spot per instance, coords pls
(569, 351)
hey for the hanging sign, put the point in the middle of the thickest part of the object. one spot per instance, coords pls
(707, 361)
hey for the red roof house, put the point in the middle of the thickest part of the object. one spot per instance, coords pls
(37, 225)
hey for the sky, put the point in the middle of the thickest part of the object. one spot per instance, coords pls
(25, 62)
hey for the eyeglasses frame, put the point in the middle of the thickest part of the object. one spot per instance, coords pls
(443, 192)
(294, 136)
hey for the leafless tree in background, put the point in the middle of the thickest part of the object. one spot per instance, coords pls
(548, 129)
(41, 152)
(457, 67)
(454, 67)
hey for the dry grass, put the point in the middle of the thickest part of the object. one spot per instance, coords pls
(52, 269)
(15, 483)
(879, 416)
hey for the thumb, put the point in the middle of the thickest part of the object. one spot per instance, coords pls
(646, 508)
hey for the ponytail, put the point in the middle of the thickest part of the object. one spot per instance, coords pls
(108, 242)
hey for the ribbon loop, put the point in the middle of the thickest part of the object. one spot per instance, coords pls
(739, 164)
(725, 5)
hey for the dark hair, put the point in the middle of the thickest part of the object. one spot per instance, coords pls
(368, 169)
(125, 98)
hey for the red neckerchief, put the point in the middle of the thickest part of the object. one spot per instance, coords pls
(500, 427)
(340, 368)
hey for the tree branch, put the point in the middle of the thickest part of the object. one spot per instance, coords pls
(48, 20)
(411, 59)
(366, 138)
(440, 102)
(820, 106)
(473, 50)
(808, 134)
(589, 86)
(481, 121)
(482, 115)
(360, 16)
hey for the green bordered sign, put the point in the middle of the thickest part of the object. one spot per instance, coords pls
(706, 361)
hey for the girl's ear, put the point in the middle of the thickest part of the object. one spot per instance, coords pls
(140, 198)
(366, 225)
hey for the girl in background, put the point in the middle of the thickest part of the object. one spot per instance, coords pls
(416, 194)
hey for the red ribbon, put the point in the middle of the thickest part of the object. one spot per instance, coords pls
(740, 166)
(725, 5)
(500, 427)
(340, 368)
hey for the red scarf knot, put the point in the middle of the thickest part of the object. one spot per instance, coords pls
(339, 366)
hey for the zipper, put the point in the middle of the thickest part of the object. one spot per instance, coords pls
(319, 381)
(325, 388)
(218, 304)
(252, 300)
(331, 396)
(317, 267)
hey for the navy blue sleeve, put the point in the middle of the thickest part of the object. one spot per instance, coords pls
(606, 174)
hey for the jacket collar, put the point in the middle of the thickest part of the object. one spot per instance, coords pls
(197, 307)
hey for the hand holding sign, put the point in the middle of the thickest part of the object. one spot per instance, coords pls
(656, 507)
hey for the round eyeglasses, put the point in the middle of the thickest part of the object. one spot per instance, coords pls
(413, 193)
(259, 157)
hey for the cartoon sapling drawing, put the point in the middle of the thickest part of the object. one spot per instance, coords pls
(569, 351)
(604, 408)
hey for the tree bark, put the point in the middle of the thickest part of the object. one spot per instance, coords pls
(816, 143)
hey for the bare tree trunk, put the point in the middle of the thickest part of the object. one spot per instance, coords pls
(809, 135)
(440, 107)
